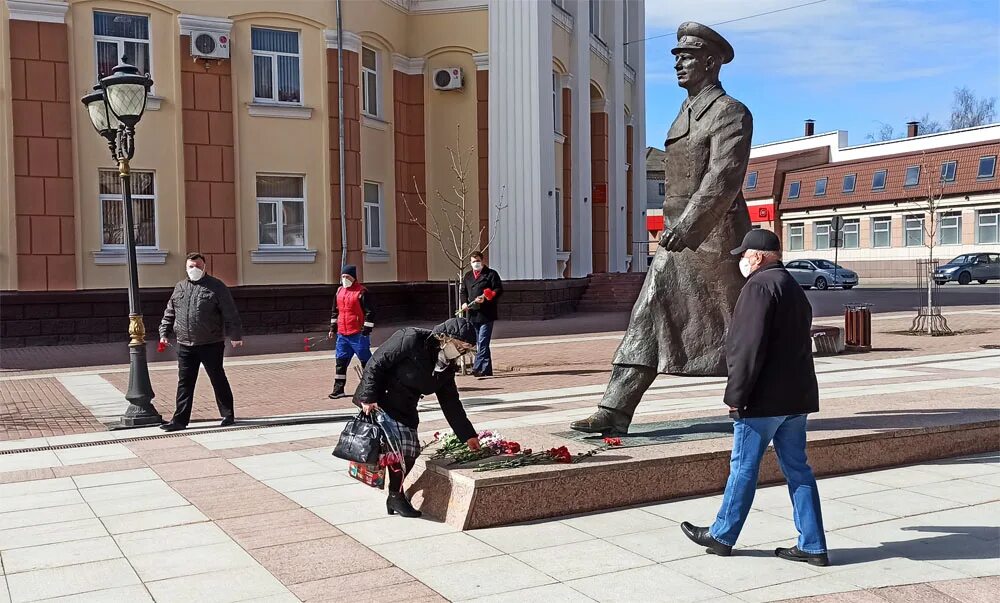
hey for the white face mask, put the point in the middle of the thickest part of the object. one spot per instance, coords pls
(195, 274)
(745, 267)
(346, 281)
(477, 266)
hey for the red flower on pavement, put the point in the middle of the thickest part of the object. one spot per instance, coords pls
(613, 441)
(511, 447)
(489, 294)
(560, 455)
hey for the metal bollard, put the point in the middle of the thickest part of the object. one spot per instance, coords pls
(858, 326)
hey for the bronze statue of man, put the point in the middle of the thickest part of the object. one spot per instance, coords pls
(679, 322)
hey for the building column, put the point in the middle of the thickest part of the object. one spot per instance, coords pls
(44, 197)
(482, 61)
(617, 191)
(411, 179)
(522, 158)
(602, 200)
(352, 150)
(637, 58)
(581, 219)
(209, 161)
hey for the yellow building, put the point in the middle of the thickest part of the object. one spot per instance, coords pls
(238, 157)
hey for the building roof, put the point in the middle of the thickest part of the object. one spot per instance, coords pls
(654, 159)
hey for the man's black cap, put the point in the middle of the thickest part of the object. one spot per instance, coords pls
(760, 240)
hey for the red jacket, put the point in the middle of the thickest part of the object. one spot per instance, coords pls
(351, 311)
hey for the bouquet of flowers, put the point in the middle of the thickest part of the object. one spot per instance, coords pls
(488, 295)
(492, 444)
(309, 342)
(552, 455)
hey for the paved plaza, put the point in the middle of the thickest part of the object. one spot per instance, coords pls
(263, 512)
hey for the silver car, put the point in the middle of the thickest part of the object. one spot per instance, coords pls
(821, 274)
(983, 267)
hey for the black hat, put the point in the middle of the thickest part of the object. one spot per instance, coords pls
(461, 329)
(349, 270)
(695, 36)
(758, 239)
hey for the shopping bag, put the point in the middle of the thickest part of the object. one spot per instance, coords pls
(369, 475)
(360, 441)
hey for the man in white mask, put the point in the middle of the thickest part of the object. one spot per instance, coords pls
(481, 289)
(201, 313)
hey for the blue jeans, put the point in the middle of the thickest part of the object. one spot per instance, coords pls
(750, 439)
(484, 362)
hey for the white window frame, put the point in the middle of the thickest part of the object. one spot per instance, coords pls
(557, 102)
(979, 167)
(102, 197)
(752, 175)
(273, 55)
(852, 228)
(908, 227)
(953, 164)
(280, 215)
(854, 183)
(992, 220)
(906, 176)
(595, 19)
(560, 217)
(822, 229)
(365, 92)
(121, 41)
(950, 220)
(877, 223)
(365, 204)
(885, 179)
(796, 231)
(795, 185)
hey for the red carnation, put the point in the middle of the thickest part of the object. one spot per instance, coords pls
(307, 348)
(161, 347)
(306, 340)
(613, 441)
(489, 294)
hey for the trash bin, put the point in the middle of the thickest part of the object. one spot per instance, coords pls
(858, 326)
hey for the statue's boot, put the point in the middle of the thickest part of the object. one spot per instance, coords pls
(621, 398)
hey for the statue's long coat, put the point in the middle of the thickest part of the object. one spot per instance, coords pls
(679, 322)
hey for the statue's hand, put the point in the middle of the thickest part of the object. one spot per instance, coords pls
(670, 241)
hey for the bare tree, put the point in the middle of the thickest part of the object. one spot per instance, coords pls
(452, 223)
(925, 125)
(884, 132)
(968, 110)
(930, 205)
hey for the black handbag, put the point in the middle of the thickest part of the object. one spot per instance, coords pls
(360, 441)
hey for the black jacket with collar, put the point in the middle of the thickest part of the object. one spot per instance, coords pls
(769, 348)
(473, 287)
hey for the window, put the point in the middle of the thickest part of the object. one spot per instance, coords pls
(820, 188)
(796, 237)
(751, 181)
(794, 189)
(913, 230)
(849, 181)
(281, 211)
(912, 177)
(117, 35)
(987, 167)
(370, 93)
(372, 217)
(948, 169)
(556, 103)
(878, 180)
(559, 220)
(950, 228)
(881, 235)
(662, 188)
(113, 209)
(851, 234)
(822, 235)
(595, 18)
(987, 221)
(276, 68)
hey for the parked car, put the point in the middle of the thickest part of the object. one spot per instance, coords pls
(964, 269)
(821, 274)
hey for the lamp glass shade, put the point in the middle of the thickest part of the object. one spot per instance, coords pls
(125, 90)
(102, 118)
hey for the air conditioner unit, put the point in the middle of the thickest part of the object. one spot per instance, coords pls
(209, 45)
(448, 79)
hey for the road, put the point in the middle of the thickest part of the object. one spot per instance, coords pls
(831, 302)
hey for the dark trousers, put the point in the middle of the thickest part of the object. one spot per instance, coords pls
(484, 361)
(189, 358)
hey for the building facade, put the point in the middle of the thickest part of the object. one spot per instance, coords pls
(542, 101)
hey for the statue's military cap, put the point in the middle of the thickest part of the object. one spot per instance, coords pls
(695, 36)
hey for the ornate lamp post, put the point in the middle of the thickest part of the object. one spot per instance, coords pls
(115, 107)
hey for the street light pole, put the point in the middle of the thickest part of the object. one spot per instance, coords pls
(114, 111)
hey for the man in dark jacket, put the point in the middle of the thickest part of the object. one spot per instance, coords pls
(201, 313)
(482, 289)
(771, 388)
(351, 323)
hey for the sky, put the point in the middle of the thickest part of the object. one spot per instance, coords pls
(848, 64)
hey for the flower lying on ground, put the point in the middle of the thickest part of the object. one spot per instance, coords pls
(492, 444)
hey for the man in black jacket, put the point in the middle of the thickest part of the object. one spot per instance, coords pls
(482, 289)
(771, 388)
(201, 312)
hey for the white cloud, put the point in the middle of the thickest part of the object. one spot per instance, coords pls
(856, 40)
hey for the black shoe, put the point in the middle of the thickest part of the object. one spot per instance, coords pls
(398, 503)
(338, 391)
(604, 421)
(476, 374)
(702, 537)
(227, 421)
(171, 426)
(794, 554)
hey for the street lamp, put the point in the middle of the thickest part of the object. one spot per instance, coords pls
(115, 107)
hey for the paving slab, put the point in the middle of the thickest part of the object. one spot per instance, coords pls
(567, 562)
(70, 580)
(481, 577)
(311, 560)
(59, 554)
(224, 586)
(650, 583)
